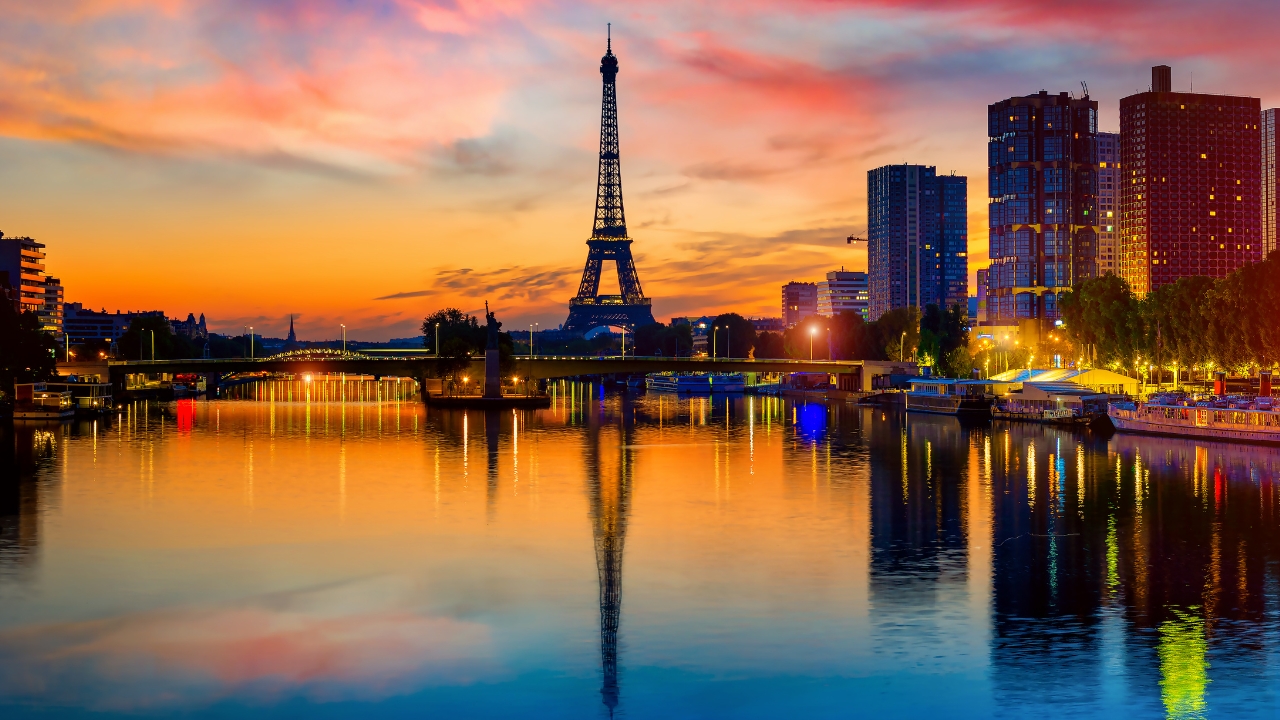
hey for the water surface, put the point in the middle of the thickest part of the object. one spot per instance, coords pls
(644, 556)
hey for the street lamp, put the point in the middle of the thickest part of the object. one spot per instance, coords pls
(344, 339)
(250, 341)
(902, 347)
(714, 329)
(812, 331)
(437, 339)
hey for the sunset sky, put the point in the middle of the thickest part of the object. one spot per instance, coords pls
(369, 162)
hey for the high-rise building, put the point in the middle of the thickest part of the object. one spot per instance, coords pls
(22, 272)
(1190, 191)
(799, 301)
(917, 238)
(1270, 182)
(1042, 180)
(51, 310)
(1108, 201)
(843, 291)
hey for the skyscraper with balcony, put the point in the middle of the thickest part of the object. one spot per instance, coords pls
(1270, 182)
(1042, 180)
(1108, 201)
(22, 271)
(1191, 184)
(917, 238)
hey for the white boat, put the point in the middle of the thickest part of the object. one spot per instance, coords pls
(697, 383)
(948, 396)
(1233, 418)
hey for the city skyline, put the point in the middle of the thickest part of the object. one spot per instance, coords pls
(188, 156)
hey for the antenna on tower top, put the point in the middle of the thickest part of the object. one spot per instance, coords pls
(608, 34)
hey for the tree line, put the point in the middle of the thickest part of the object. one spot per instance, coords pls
(1196, 323)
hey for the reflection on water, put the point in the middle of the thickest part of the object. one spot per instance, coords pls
(298, 550)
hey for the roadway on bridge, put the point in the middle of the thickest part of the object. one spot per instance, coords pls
(536, 368)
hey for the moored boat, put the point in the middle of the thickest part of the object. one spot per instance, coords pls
(948, 396)
(1232, 418)
(697, 383)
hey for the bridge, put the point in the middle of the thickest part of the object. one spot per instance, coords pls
(419, 365)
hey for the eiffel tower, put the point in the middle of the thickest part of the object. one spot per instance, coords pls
(609, 239)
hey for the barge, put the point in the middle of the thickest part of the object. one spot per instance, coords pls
(1231, 418)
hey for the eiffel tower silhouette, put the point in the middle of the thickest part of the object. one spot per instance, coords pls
(609, 239)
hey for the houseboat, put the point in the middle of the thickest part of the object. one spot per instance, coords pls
(35, 401)
(948, 396)
(1232, 418)
(697, 383)
(88, 397)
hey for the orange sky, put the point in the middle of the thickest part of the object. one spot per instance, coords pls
(369, 163)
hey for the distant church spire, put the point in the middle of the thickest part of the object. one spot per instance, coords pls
(292, 337)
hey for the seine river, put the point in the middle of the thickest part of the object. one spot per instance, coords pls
(643, 555)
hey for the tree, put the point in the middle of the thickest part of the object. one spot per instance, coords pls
(735, 336)
(942, 333)
(853, 338)
(26, 352)
(1103, 318)
(899, 332)
(454, 324)
(809, 336)
(135, 343)
(664, 340)
(769, 345)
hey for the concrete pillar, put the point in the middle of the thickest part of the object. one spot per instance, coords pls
(492, 378)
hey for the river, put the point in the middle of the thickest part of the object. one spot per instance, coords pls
(628, 555)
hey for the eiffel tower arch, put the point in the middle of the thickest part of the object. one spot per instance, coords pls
(609, 241)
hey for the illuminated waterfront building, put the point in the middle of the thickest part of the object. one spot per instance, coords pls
(799, 301)
(843, 291)
(51, 310)
(22, 272)
(1270, 182)
(1190, 191)
(1108, 200)
(1042, 180)
(917, 238)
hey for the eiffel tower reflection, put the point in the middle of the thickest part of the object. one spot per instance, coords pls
(610, 503)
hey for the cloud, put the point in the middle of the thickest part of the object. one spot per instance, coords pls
(452, 134)
(403, 295)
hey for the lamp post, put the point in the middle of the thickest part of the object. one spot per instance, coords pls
(530, 339)
(812, 331)
(714, 329)
(437, 339)
(902, 347)
(344, 339)
(250, 341)
(624, 342)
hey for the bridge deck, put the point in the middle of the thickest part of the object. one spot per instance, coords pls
(537, 368)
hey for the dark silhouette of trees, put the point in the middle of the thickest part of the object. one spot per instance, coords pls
(135, 343)
(735, 336)
(26, 352)
(769, 345)
(664, 340)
